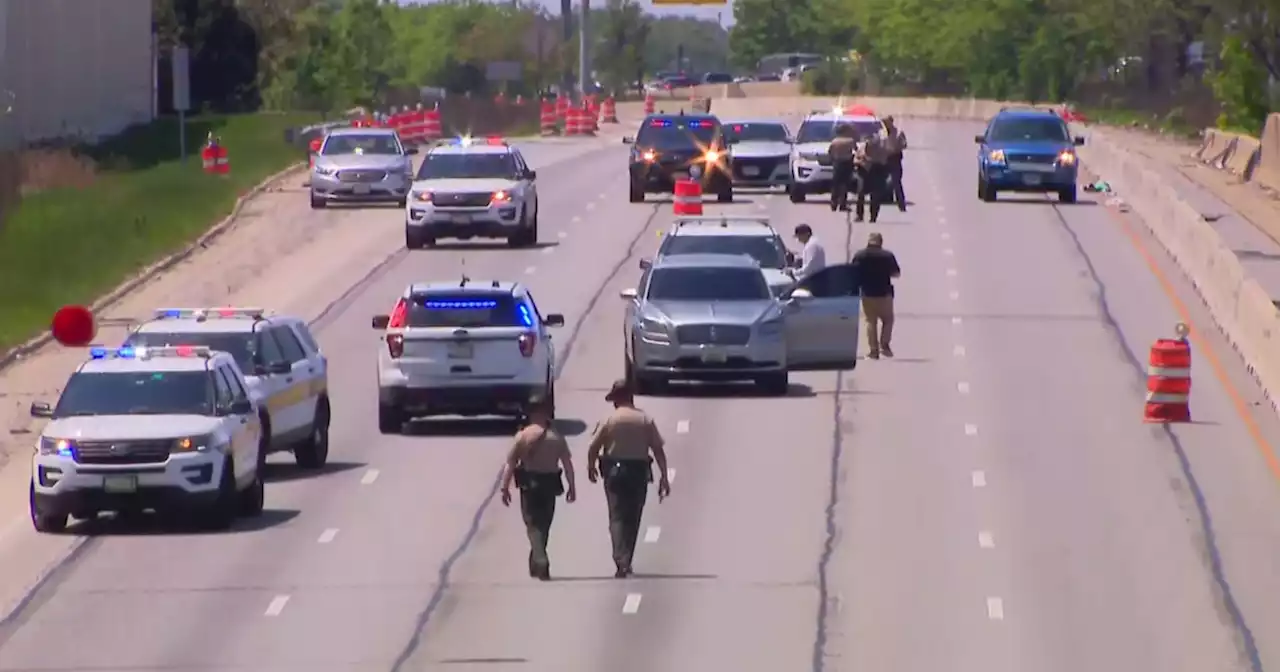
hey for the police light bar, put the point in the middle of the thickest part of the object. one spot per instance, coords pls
(149, 353)
(723, 220)
(496, 141)
(206, 313)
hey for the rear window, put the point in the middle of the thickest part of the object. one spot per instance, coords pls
(468, 311)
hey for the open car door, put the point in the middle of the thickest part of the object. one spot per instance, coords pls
(822, 322)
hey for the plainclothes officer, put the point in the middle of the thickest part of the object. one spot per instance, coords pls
(873, 158)
(534, 465)
(623, 451)
(842, 150)
(813, 257)
(896, 142)
(875, 268)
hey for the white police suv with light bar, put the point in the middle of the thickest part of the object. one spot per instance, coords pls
(284, 368)
(463, 348)
(811, 169)
(165, 429)
(468, 189)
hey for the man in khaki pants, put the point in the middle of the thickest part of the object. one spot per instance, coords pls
(875, 268)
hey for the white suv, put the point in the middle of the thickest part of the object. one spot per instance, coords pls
(730, 234)
(810, 163)
(163, 429)
(463, 348)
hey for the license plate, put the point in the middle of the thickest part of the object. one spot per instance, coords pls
(1031, 179)
(460, 350)
(461, 219)
(360, 189)
(713, 357)
(750, 171)
(124, 484)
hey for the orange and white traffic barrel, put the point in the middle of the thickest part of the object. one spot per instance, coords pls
(547, 119)
(687, 199)
(649, 104)
(1169, 380)
(609, 111)
(433, 125)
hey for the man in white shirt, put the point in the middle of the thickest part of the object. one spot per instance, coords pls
(812, 257)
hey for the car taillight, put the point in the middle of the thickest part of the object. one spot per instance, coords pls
(527, 341)
(399, 315)
(395, 345)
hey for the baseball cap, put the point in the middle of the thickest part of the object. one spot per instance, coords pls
(621, 389)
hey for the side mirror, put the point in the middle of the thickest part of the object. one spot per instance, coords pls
(979, 139)
(532, 174)
(629, 294)
(645, 264)
(240, 407)
(411, 151)
(40, 409)
(553, 320)
(381, 321)
(798, 295)
(628, 140)
(1079, 140)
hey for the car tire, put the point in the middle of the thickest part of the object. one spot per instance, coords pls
(986, 193)
(313, 452)
(796, 192)
(317, 203)
(412, 241)
(222, 513)
(43, 522)
(524, 236)
(1067, 195)
(253, 500)
(775, 384)
(390, 419)
(636, 195)
(264, 442)
(402, 203)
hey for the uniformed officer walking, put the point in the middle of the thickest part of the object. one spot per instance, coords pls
(534, 465)
(623, 451)
(841, 151)
(872, 160)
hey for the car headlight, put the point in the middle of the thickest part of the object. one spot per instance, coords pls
(654, 329)
(1067, 158)
(996, 156)
(49, 446)
(193, 444)
(422, 196)
(502, 196)
(713, 156)
(325, 170)
(649, 157)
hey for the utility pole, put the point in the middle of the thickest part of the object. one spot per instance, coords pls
(584, 49)
(566, 76)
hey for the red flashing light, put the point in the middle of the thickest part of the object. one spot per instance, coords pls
(399, 315)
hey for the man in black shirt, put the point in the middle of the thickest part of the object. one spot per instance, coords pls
(875, 268)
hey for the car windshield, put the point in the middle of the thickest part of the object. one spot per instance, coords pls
(1035, 129)
(468, 310)
(766, 250)
(464, 166)
(381, 144)
(825, 131)
(756, 132)
(678, 134)
(137, 393)
(238, 345)
(707, 284)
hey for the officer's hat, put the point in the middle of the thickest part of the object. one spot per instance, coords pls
(620, 391)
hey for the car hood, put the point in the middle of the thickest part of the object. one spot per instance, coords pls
(718, 312)
(778, 279)
(813, 147)
(748, 150)
(363, 161)
(465, 185)
(130, 427)
(1031, 147)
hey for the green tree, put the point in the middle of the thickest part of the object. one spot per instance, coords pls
(1240, 84)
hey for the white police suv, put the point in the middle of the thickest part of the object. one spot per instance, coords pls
(283, 367)
(810, 163)
(463, 348)
(163, 429)
(468, 189)
(730, 234)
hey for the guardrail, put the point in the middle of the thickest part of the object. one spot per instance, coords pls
(1251, 159)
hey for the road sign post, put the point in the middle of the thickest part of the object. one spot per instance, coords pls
(182, 94)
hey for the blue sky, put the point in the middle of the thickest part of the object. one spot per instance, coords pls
(701, 11)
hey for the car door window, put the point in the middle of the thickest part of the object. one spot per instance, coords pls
(289, 346)
(832, 282)
(238, 392)
(269, 351)
(304, 335)
(222, 390)
(537, 314)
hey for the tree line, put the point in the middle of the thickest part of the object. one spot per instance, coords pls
(1198, 61)
(330, 54)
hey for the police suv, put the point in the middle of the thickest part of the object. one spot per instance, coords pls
(761, 149)
(283, 365)
(810, 163)
(463, 348)
(466, 189)
(149, 428)
(671, 148)
(730, 234)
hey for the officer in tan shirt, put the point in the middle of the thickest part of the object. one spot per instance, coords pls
(534, 465)
(872, 160)
(841, 152)
(623, 450)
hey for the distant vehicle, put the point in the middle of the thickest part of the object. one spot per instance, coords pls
(717, 78)
(673, 147)
(810, 165)
(760, 152)
(730, 234)
(776, 63)
(361, 165)
(679, 82)
(768, 78)
(1027, 150)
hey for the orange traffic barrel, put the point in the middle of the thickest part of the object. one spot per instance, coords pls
(649, 104)
(547, 119)
(687, 199)
(609, 111)
(1169, 381)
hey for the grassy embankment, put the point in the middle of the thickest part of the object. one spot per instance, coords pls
(91, 218)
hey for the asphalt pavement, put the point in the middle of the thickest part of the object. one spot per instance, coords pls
(987, 501)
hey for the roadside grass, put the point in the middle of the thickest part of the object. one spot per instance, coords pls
(138, 203)
(1171, 123)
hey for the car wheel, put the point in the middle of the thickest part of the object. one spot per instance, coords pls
(412, 240)
(797, 193)
(45, 522)
(637, 195)
(222, 513)
(1067, 195)
(264, 443)
(390, 419)
(776, 384)
(317, 203)
(313, 452)
(988, 193)
(254, 498)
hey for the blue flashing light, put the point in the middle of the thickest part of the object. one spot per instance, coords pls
(660, 123)
(175, 313)
(526, 317)
(126, 352)
(459, 305)
(98, 353)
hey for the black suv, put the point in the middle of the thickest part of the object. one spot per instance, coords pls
(673, 147)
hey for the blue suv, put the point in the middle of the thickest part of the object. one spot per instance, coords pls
(1027, 150)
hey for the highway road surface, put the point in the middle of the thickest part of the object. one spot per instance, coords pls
(988, 501)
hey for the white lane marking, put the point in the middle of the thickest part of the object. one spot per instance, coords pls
(986, 540)
(601, 197)
(970, 430)
(956, 320)
(328, 535)
(951, 272)
(942, 220)
(651, 535)
(277, 605)
(576, 219)
(946, 236)
(548, 250)
(591, 206)
(948, 252)
(682, 427)
(562, 235)
(939, 208)
(958, 351)
(962, 387)
(671, 474)
(632, 604)
(369, 477)
(995, 608)
(531, 270)
(979, 479)
(955, 296)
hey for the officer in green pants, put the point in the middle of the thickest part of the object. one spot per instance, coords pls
(535, 464)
